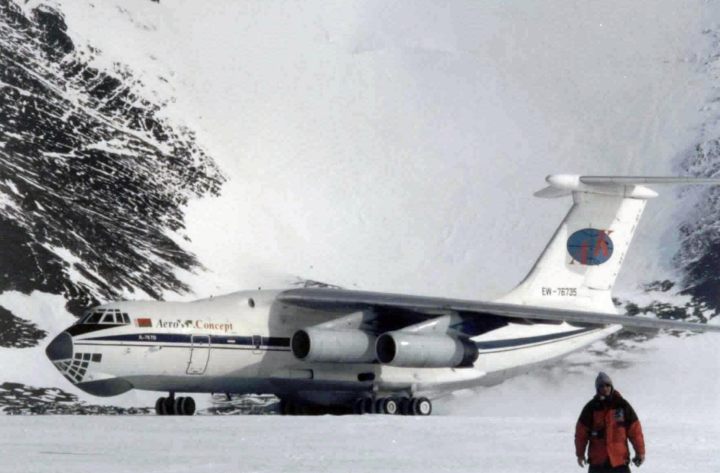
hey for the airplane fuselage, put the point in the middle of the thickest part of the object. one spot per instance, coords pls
(240, 343)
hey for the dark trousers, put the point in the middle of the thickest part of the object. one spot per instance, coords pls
(606, 468)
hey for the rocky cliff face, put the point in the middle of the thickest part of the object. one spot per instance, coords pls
(92, 180)
(698, 258)
(699, 254)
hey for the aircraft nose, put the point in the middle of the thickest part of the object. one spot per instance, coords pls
(61, 348)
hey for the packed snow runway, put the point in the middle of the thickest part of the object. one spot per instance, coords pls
(329, 444)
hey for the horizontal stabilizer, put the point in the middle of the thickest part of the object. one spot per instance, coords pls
(639, 180)
(561, 185)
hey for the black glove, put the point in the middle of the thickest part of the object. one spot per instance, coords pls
(638, 460)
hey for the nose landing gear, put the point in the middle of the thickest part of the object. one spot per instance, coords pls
(172, 406)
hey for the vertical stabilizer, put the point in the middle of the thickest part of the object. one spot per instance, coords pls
(579, 266)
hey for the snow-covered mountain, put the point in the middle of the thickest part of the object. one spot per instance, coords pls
(94, 178)
(178, 150)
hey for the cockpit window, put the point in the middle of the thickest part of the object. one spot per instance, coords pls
(105, 317)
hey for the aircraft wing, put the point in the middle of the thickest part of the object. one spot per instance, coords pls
(340, 299)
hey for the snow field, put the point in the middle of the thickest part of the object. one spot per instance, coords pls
(328, 444)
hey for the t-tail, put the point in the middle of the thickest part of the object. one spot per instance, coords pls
(578, 268)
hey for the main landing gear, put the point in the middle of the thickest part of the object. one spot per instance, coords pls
(175, 406)
(413, 406)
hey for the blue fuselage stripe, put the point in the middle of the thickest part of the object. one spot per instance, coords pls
(517, 342)
(198, 340)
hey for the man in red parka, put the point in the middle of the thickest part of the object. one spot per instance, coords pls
(607, 422)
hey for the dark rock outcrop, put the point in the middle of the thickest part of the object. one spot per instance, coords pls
(92, 179)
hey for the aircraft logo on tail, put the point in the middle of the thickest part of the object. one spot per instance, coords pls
(590, 246)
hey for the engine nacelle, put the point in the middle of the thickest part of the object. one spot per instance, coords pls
(414, 350)
(333, 346)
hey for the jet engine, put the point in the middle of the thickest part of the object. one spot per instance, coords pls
(333, 346)
(413, 350)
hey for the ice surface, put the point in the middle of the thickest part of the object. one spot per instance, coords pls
(329, 444)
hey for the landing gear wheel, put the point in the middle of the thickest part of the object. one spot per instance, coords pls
(389, 406)
(189, 406)
(174, 406)
(160, 407)
(184, 406)
(421, 406)
(169, 406)
(177, 406)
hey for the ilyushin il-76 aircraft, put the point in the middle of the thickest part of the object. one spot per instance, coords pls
(334, 350)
